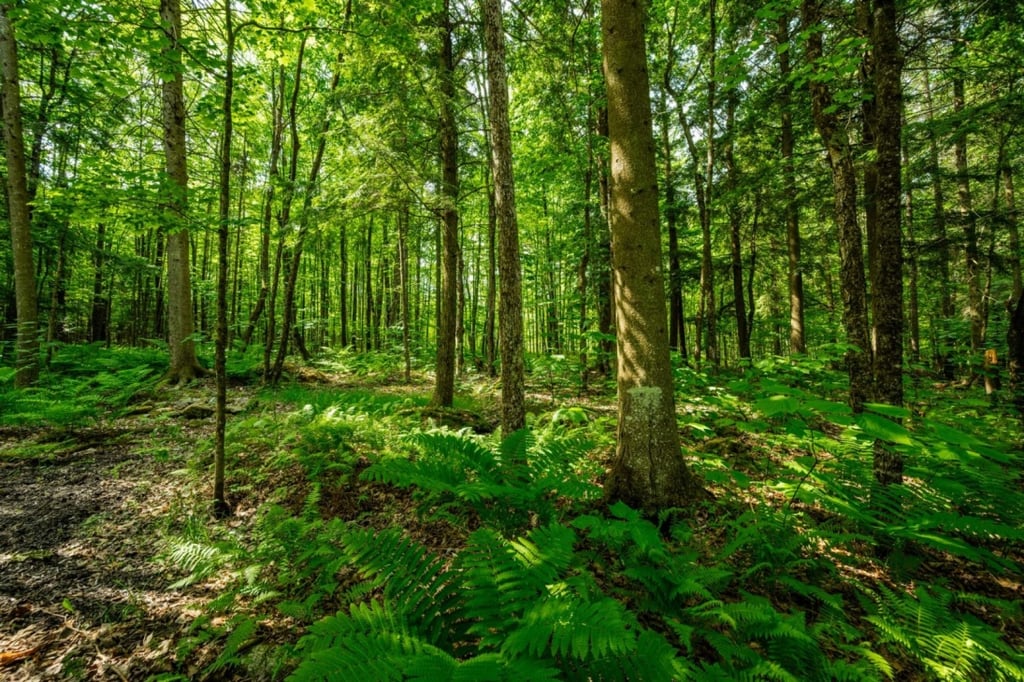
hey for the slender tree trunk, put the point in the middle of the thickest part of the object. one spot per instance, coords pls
(98, 330)
(707, 267)
(887, 273)
(444, 386)
(220, 505)
(184, 365)
(913, 300)
(797, 335)
(844, 181)
(735, 225)
(1015, 347)
(1013, 229)
(513, 408)
(605, 307)
(676, 330)
(288, 316)
(343, 286)
(403, 271)
(26, 297)
(648, 472)
(277, 113)
(968, 223)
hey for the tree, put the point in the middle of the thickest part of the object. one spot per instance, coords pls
(648, 471)
(510, 329)
(887, 269)
(18, 207)
(444, 384)
(844, 182)
(184, 365)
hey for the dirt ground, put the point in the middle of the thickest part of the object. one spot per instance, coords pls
(81, 594)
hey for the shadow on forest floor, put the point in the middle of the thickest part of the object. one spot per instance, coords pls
(80, 594)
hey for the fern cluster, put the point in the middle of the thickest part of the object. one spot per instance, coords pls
(522, 479)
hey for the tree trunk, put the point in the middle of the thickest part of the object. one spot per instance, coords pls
(403, 272)
(277, 108)
(735, 237)
(26, 297)
(844, 181)
(98, 330)
(1015, 359)
(797, 335)
(648, 472)
(444, 384)
(676, 329)
(887, 272)
(184, 365)
(220, 505)
(969, 225)
(510, 313)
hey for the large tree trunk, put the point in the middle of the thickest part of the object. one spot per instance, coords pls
(648, 471)
(444, 383)
(184, 365)
(887, 271)
(844, 181)
(27, 361)
(513, 409)
(797, 335)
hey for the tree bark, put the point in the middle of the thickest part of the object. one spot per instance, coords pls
(648, 472)
(887, 272)
(844, 181)
(184, 365)
(25, 296)
(444, 377)
(510, 303)
(797, 335)
(220, 505)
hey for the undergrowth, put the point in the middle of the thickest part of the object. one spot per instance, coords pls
(800, 568)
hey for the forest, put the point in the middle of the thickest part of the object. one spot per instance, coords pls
(511, 340)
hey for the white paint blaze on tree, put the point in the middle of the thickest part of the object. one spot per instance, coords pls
(649, 472)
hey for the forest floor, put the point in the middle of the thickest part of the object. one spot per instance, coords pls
(81, 595)
(88, 514)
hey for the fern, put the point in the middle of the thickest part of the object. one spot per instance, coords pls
(951, 645)
(504, 486)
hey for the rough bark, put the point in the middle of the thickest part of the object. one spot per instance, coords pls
(444, 382)
(184, 365)
(844, 181)
(510, 304)
(887, 271)
(25, 296)
(648, 471)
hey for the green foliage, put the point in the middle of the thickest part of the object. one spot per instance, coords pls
(504, 486)
(951, 643)
(82, 384)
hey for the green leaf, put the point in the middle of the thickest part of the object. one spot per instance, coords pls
(885, 429)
